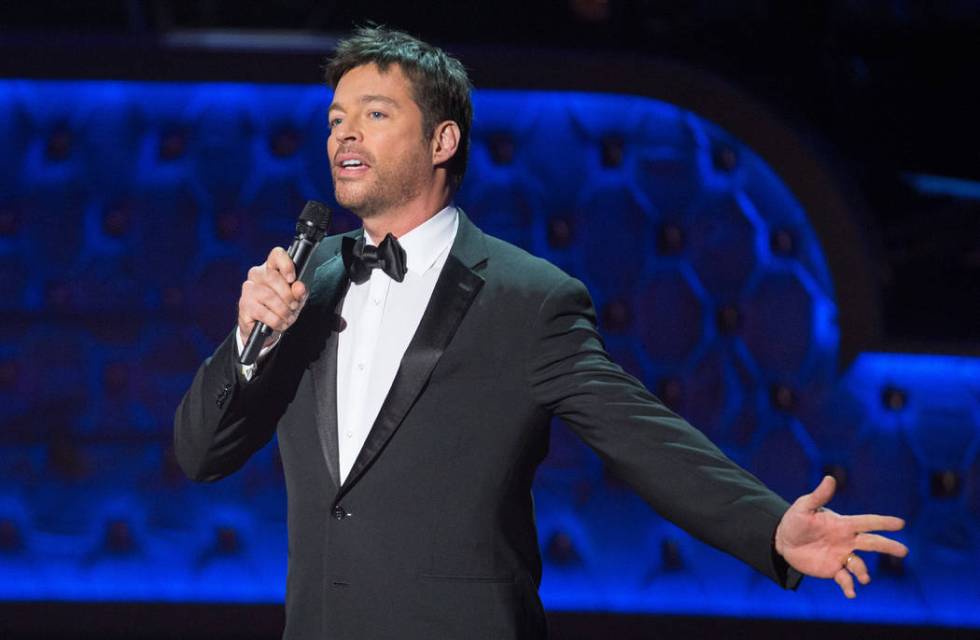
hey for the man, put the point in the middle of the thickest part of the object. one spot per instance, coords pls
(413, 395)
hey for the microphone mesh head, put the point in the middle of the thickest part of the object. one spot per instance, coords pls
(314, 221)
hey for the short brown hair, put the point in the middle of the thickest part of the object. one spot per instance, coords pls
(439, 82)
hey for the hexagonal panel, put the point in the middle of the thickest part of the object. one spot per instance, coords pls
(222, 133)
(283, 115)
(777, 206)
(15, 132)
(743, 430)
(669, 315)
(502, 136)
(612, 239)
(18, 380)
(711, 393)
(553, 129)
(14, 272)
(723, 239)
(313, 153)
(110, 134)
(943, 436)
(54, 369)
(778, 321)
(115, 413)
(785, 459)
(669, 178)
(650, 123)
(166, 220)
(833, 418)
(57, 227)
(106, 277)
(54, 154)
(262, 217)
(505, 208)
(885, 476)
(213, 296)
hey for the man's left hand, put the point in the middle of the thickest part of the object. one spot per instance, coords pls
(818, 542)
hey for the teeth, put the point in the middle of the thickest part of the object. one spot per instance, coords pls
(350, 163)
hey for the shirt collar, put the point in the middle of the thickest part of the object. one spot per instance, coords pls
(425, 243)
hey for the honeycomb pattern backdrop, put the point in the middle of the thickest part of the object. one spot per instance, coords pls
(129, 213)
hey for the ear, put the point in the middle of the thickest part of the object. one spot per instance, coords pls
(445, 142)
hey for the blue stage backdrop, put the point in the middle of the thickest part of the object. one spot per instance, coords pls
(130, 212)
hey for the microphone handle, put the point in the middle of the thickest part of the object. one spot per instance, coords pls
(299, 252)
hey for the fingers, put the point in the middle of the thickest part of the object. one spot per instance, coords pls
(871, 522)
(271, 294)
(291, 290)
(259, 304)
(845, 582)
(299, 291)
(821, 495)
(280, 261)
(855, 564)
(269, 276)
(880, 544)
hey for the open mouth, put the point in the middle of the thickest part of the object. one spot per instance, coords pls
(351, 167)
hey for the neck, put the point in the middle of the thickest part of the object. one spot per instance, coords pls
(400, 221)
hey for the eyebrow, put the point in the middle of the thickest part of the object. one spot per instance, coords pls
(367, 99)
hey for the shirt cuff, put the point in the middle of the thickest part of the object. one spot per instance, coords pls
(248, 370)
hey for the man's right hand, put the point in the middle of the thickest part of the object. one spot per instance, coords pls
(271, 295)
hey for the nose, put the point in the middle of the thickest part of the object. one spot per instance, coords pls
(347, 130)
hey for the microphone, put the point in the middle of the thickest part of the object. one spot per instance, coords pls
(310, 229)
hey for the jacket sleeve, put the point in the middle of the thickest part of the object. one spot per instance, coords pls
(223, 418)
(672, 465)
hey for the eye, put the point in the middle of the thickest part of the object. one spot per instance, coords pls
(333, 122)
(376, 115)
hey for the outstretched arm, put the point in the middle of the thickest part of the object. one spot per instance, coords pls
(818, 542)
(679, 472)
(669, 463)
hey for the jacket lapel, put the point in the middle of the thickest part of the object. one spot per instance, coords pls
(457, 287)
(326, 296)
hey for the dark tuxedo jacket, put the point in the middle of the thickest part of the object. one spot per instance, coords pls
(432, 534)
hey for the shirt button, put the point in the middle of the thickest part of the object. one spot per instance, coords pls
(350, 435)
(360, 366)
(377, 301)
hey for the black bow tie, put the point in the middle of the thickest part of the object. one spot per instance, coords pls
(361, 258)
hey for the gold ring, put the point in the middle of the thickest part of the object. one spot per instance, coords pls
(848, 559)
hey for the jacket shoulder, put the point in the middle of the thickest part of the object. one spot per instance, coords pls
(517, 268)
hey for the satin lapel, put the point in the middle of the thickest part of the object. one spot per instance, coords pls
(454, 292)
(327, 293)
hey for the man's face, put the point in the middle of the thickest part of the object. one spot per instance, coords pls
(379, 157)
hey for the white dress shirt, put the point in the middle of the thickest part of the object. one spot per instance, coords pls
(381, 317)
